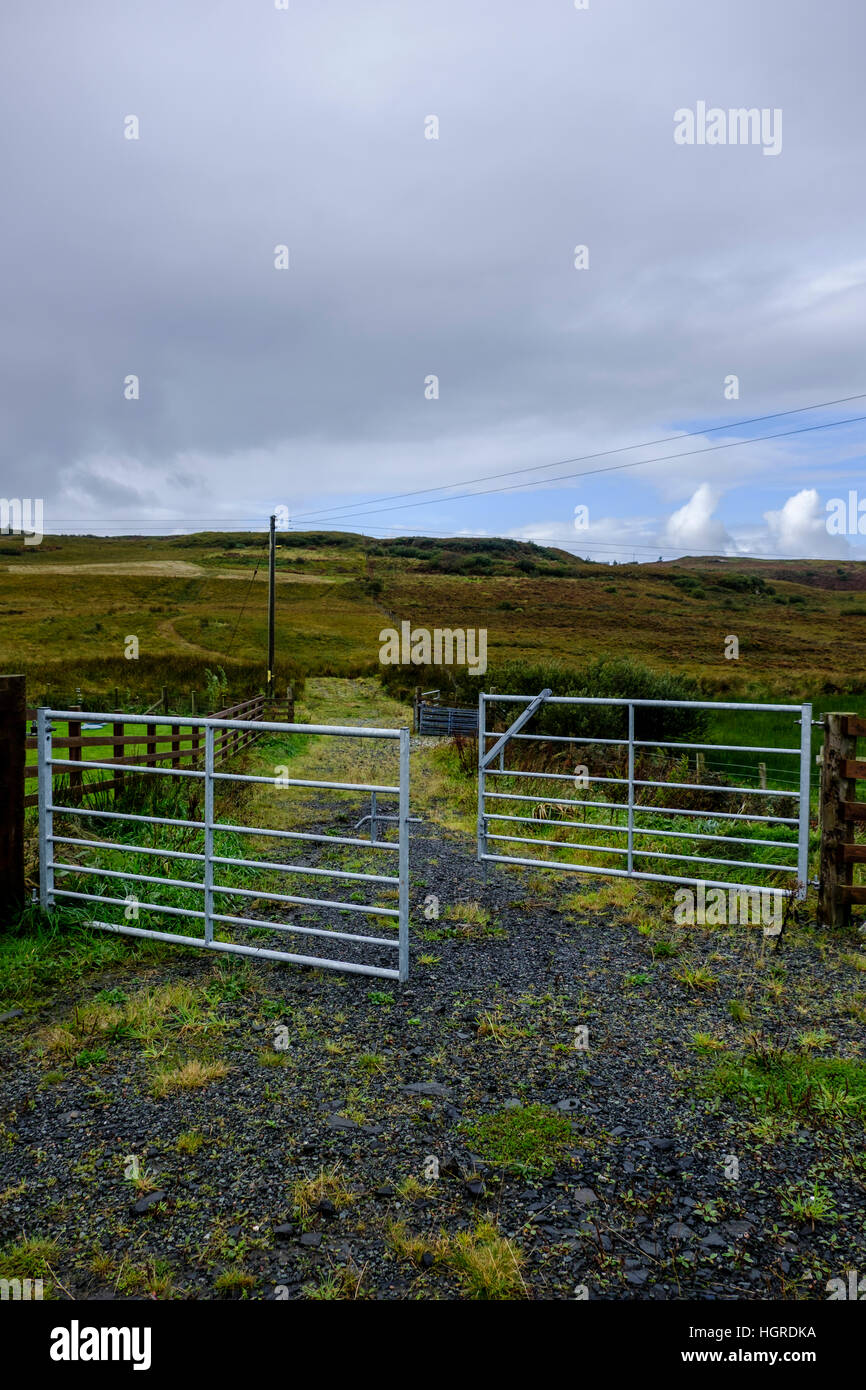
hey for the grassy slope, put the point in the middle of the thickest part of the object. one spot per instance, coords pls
(800, 624)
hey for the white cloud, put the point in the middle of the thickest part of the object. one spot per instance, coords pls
(800, 528)
(694, 526)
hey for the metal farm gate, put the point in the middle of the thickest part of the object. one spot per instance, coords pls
(211, 912)
(503, 818)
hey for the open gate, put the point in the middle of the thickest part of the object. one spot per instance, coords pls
(207, 858)
(638, 834)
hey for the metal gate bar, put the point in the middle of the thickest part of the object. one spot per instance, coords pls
(50, 865)
(633, 830)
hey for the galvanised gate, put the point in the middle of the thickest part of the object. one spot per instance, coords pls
(211, 913)
(508, 807)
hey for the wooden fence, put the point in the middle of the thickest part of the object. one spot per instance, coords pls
(841, 816)
(146, 746)
(128, 744)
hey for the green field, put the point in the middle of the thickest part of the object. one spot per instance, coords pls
(198, 603)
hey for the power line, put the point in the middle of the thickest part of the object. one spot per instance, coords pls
(584, 458)
(616, 468)
(373, 531)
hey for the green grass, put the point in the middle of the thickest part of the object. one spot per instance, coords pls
(817, 1089)
(526, 1139)
(28, 1259)
(51, 954)
(67, 626)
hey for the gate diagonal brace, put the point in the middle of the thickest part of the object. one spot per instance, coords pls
(487, 758)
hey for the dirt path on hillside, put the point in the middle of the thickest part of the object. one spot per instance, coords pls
(166, 629)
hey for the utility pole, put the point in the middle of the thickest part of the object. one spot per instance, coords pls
(271, 580)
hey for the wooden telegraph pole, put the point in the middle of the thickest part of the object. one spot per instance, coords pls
(271, 583)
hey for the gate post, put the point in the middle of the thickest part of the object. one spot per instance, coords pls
(46, 815)
(403, 855)
(13, 732)
(208, 831)
(630, 860)
(482, 745)
(805, 800)
(836, 829)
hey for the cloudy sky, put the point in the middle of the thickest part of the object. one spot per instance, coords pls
(411, 258)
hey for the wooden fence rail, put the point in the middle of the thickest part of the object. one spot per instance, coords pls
(147, 746)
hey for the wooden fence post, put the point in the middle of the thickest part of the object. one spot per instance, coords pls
(118, 753)
(762, 776)
(13, 731)
(837, 830)
(76, 781)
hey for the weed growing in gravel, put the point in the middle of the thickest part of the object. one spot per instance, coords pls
(408, 1246)
(345, 1282)
(493, 1024)
(144, 1182)
(413, 1189)
(269, 1058)
(802, 1205)
(697, 978)
(525, 1139)
(705, 1042)
(822, 1091)
(635, 981)
(153, 1278)
(774, 1129)
(472, 922)
(814, 1038)
(328, 1185)
(235, 1281)
(471, 913)
(147, 1017)
(187, 1076)
(190, 1141)
(663, 949)
(370, 1063)
(487, 1265)
(29, 1259)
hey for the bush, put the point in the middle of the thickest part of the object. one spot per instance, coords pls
(607, 678)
